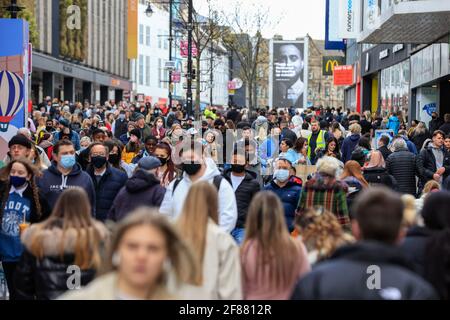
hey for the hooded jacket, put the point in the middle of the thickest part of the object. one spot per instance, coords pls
(393, 124)
(47, 278)
(142, 189)
(348, 273)
(348, 146)
(53, 183)
(244, 194)
(174, 200)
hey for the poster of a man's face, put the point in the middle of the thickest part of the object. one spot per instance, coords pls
(288, 67)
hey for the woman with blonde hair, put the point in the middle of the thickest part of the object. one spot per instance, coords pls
(69, 237)
(215, 250)
(272, 261)
(145, 250)
(321, 233)
(430, 187)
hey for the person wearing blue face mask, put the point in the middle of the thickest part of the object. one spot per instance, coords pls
(20, 205)
(120, 125)
(65, 173)
(287, 190)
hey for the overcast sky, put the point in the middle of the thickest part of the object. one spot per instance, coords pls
(297, 17)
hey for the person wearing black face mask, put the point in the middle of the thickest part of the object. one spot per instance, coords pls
(107, 180)
(166, 172)
(245, 187)
(435, 123)
(20, 205)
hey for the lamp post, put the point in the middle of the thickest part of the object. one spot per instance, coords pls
(14, 9)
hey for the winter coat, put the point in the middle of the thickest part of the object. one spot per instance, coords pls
(145, 132)
(143, 189)
(289, 196)
(428, 161)
(393, 124)
(435, 124)
(53, 183)
(404, 167)
(385, 152)
(106, 189)
(445, 128)
(419, 140)
(120, 128)
(380, 176)
(74, 137)
(174, 200)
(287, 133)
(221, 269)
(244, 194)
(348, 146)
(47, 278)
(161, 134)
(346, 275)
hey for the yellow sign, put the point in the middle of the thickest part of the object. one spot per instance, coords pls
(329, 63)
(132, 29)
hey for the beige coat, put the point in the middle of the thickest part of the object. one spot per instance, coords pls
(105, 288)
(221, 270)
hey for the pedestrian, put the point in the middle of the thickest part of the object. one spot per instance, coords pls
(349, 144)
(375, 172)
(383, 144)
(331, 149)
(133, 147)
(245, 187)
(353, 177)
(324, 190)
(166, 173)
(447, 143)
(404, 167)
(321, 233)
(287, 151)
(21, 204)
(429, 188)
(272, 261)
(70, 236)
(427, 247)
(446, 126)
(19, 147)
(394, 122)
(287, 133)
(147, 150)
(301, 148)
(65, 173)
(98, 136)
(67, 133)
(215, 250)
(158, 130)
(287, 191)
(317, 140)
(120, 125)
(125, 138)
(143, 128)
(197, 167)
(435, 159)
(142, 189)
(107, 180)
(135, 272)
(344, 276)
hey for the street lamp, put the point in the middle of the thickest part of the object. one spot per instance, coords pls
(14, 9)
(149, 10)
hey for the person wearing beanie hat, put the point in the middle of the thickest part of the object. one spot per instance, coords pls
(136, 132)
(133, 147)
(142, 189)
(19, 147)
(67, 133)
(143, 127)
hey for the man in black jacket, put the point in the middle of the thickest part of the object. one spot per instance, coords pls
(107, 180)
(435, 160)
(435, 123)
(383, 147)
(373, 268)
(245, 187)
(287, 133)
(446, 126)
(120, 125)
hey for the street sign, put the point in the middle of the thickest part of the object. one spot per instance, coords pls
(170, 65)
(176, 76)
(184, 49)
(343, 75)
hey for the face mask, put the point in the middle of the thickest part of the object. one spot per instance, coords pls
(68, 161)
(281, 175)
(122, 117)
(191, 168)
(163, 161)
(238, 168)
(114, 159)
(17, 181)
(159, 125)
(98, 162)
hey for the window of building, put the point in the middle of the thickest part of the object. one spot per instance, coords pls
(141, 34)
(147, 71)
(141, 69)
(159, 39)
(147, 36)
(159, 73)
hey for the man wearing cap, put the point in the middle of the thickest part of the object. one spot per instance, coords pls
(143, 127)
(67, 133)
(42, 154)
(19, 147)
(142, 189)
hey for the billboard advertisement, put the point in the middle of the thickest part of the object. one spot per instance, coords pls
(289, 74)
(343, 75)
(132, 43)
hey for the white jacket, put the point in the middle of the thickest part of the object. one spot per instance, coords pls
(221, 270)
(173, 201)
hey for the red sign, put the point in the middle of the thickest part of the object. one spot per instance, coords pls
(343, 75)
(231, 85)
(176, 76)
(184, 49)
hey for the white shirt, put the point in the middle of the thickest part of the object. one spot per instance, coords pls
(18, 191)
(236, 181)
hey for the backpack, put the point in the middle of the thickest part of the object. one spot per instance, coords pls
(217, 180)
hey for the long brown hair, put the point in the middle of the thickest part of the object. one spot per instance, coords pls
(170, 171)
(31, 170)
(179, 253)
(200, 205)
(66, 215)
(353, 169)
(266, 227)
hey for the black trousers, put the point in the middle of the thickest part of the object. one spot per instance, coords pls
(10, 269)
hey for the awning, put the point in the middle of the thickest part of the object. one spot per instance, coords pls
(423, 21)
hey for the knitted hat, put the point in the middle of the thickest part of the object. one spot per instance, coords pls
(149, 163)
(136, 132)
(19, 140)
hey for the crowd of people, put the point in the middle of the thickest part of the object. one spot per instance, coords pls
(149, 204)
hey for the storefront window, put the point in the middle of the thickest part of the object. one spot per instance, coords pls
(395, 84)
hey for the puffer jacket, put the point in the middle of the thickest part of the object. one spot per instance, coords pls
(346, 275)
(404, 167)
(289, 196)
(106, 189)
(47, 278)
(143, 189)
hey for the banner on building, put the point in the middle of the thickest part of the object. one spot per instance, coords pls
(371, 14)
(332, 39)
(184, 45)
(329, 63)
(289, 74)
(132, 29)
(343, 75)
(349, 19)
